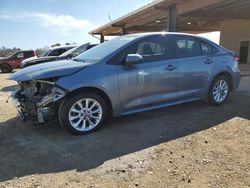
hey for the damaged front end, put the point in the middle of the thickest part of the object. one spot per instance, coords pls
(37, 99)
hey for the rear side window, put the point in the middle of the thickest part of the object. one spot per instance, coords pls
(187, 47)
(28, 54)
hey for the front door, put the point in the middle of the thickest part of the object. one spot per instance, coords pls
(152, 82)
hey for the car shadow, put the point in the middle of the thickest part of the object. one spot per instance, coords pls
(13, 71)
(40, 149)
(8, 88)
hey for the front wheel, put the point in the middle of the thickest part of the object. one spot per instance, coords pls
(219, 91)
(82, 113)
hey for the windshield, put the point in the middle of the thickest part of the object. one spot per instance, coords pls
(65, 54)
(103, 50)
(44, 54)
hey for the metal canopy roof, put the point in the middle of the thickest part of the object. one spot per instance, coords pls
(192, 16)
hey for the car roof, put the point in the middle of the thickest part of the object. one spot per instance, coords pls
(171, 33)
(65, 46)
(160, 33)
(25, 51)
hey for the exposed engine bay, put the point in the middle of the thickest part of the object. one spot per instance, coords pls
(36, 99)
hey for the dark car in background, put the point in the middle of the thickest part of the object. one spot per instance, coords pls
(67, 55)
(55, 52)
(14, 61)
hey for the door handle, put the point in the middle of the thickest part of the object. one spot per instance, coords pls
(171, 67)
(208, 61)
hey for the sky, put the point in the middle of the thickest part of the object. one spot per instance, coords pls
(30, 24)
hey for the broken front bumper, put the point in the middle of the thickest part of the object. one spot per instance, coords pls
(18, 106)
(39, 110)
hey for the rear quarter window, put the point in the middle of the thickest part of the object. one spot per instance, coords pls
(207, 49)
(28, 54)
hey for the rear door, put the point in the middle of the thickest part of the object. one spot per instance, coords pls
(195, 66)
(152, 82)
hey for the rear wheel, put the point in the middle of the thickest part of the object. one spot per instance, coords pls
(83, 113)
(219, 91)
(5, 68)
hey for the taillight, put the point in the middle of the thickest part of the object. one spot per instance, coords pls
(237, 58)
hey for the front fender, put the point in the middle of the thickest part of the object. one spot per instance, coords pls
(101, 77)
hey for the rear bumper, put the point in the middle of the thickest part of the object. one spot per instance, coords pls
(236, 81)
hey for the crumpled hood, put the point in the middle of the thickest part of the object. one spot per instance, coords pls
(48, 70)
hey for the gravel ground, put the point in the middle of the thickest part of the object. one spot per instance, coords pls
(189, 145)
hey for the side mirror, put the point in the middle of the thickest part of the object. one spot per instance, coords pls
(133, 59)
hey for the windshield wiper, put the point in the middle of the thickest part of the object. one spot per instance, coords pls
(79, 60)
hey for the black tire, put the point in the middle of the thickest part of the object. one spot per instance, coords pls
(6, 68)
(211, 98)
(64, 110)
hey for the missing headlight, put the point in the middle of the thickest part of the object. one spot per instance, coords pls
(57, 93)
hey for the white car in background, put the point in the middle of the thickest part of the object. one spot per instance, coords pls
(54, 51)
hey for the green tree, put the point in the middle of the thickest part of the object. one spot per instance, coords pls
(54, 45)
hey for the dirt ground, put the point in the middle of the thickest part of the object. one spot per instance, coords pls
(189, 145)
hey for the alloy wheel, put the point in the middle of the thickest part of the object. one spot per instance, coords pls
(85, 114)
(220, 91)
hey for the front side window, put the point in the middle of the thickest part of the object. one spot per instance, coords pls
(56, 52)
(151, 49)
(20, 55)
(187, 47)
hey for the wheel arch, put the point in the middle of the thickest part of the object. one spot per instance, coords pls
(228, 76)
(95, 90)
(2, 64)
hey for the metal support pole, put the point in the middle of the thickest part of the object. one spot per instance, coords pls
(124, 30)
(102, 38)
(172, 19)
